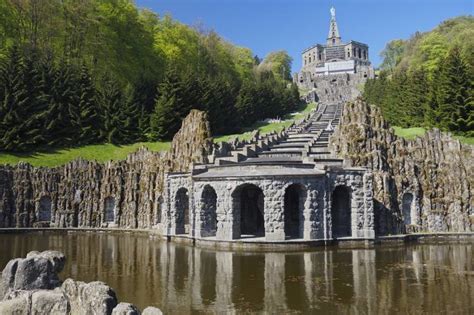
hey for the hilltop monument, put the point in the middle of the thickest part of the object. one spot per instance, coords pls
(334, 58)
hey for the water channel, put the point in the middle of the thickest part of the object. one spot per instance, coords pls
(181, 279)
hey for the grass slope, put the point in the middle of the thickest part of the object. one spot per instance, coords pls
(106, 152)
(265, 127)
(99, 152)
(412, 133)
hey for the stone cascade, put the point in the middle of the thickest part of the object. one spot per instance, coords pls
(303, 142)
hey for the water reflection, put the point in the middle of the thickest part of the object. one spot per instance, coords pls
(181, 279)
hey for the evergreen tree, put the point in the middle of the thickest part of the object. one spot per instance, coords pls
(19, 104)
(173, 104)
(454, 94)
(417, 97)
(246, 103)
(63, 108)
(112, 103)
(88, 120)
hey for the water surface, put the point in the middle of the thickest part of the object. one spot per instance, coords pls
(180, 279)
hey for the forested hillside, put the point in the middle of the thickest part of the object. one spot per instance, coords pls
(427, 80)
(94, 71)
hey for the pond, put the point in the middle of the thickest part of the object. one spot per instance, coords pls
(181, 279)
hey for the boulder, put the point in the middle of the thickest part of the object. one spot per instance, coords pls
(35, 273)
(125, 309)
(18, 306)
(89, 298)
(8, 276)
(150, 310)
(52, 302)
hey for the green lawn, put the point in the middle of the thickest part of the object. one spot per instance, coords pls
(99, 152)
(412, 133)
(409, 133)
(106, 152)
(265, 128)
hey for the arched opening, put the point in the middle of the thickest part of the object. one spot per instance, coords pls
(295, 196)
(249, 210)
(407, 202)
(109, 210)
(182, 211)
(44, 213)
(341, 212)
(208, 212)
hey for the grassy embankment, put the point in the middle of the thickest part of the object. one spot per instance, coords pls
(264, 127)
(412, 133)
(106, 152)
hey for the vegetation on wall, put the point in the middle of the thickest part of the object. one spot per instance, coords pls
(427, 81)
(83, 72)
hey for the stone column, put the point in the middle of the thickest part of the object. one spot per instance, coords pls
(274, 205)
(228, 214)
(313, 213)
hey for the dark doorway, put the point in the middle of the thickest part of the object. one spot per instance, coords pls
(341, 212)
(109, 210)
(209, 212)
(44, 213)
(295, 196)
(407, 202)
(182, 211)
(250, 202)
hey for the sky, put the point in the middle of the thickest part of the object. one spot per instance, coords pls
(293, 25)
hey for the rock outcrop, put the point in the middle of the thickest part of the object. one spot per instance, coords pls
(79, 193)
(31, 285)
(432, 175)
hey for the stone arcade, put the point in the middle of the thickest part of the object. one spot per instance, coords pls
(285, 186)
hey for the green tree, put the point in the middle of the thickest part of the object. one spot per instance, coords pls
(454, 89)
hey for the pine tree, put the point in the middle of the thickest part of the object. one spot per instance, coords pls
(170, 107)
(88, 115)
(417, 96)
(246, 103)
(15, 103)
(112, 105)
(63, 108)
(454, 94)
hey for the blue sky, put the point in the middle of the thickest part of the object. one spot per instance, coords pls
(292, 25)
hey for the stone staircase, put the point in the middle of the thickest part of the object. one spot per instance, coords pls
(303, 145)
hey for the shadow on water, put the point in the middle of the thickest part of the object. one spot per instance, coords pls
(182, 279)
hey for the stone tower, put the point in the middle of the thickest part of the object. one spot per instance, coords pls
(334, 39)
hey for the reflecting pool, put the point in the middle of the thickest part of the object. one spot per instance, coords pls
(181, 279)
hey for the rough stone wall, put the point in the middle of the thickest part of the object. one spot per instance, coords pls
(78, 189)
(436, 169)
(334, 88)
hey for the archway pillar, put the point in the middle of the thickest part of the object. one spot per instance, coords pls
(313, 227)
(274, 213)
(228, 218)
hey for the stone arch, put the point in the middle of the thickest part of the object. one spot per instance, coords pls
(44, 211)
(109, 210)
(248, 209)
(294, 203)
(208, 211)
(407, 205)
(341, 212)
(182, 211)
